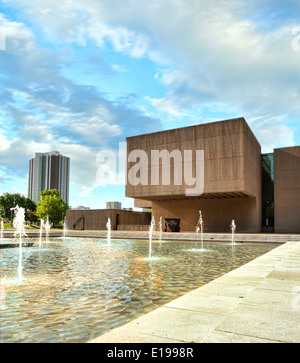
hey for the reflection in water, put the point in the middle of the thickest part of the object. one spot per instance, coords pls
(77, 289)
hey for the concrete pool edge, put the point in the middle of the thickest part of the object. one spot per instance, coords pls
(188, 236)
(257, 302)
(213, 237)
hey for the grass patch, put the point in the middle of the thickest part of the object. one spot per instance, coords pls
(33, 226)
(7, 225)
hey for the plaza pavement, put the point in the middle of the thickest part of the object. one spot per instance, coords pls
(256, 303)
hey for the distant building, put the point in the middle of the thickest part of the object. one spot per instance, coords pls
(81, 207)
(49, 171)
(113, 205)
(96, 219)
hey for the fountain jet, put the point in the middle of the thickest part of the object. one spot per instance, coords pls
(41, 233)
(65, 227)
(47, 227)
(233, 231)
(151, 229)
(160, 229)
(108, 226)
(19, 225)
(199, 228)
(1, 229)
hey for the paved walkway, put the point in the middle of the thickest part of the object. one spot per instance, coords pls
(258, 302)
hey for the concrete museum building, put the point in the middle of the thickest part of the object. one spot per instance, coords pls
(216, 168)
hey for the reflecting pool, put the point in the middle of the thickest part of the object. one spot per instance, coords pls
(76, 289)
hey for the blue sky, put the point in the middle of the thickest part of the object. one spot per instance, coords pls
(81, 76)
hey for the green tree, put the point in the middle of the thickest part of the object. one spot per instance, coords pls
(51, 205)
(11, 200)
(31, 216)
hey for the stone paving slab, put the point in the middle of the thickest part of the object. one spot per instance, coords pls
(256, 303)
(261, 321)
(224, 337)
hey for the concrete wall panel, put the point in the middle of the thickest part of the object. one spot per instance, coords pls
(287, 190)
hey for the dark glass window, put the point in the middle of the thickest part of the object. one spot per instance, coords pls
(268, 192)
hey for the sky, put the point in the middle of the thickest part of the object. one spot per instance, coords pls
(81, 76)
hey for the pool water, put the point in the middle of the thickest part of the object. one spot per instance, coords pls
(77, 289)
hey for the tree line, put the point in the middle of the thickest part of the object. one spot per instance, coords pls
(50, 204)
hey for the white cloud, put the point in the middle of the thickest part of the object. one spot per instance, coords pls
(15, 34)
(207, 53)
(45, 111)
(4, 142)
(270, 130)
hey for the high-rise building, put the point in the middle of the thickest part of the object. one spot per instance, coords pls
(49, 171)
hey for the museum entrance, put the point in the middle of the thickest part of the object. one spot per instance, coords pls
(171, 225)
